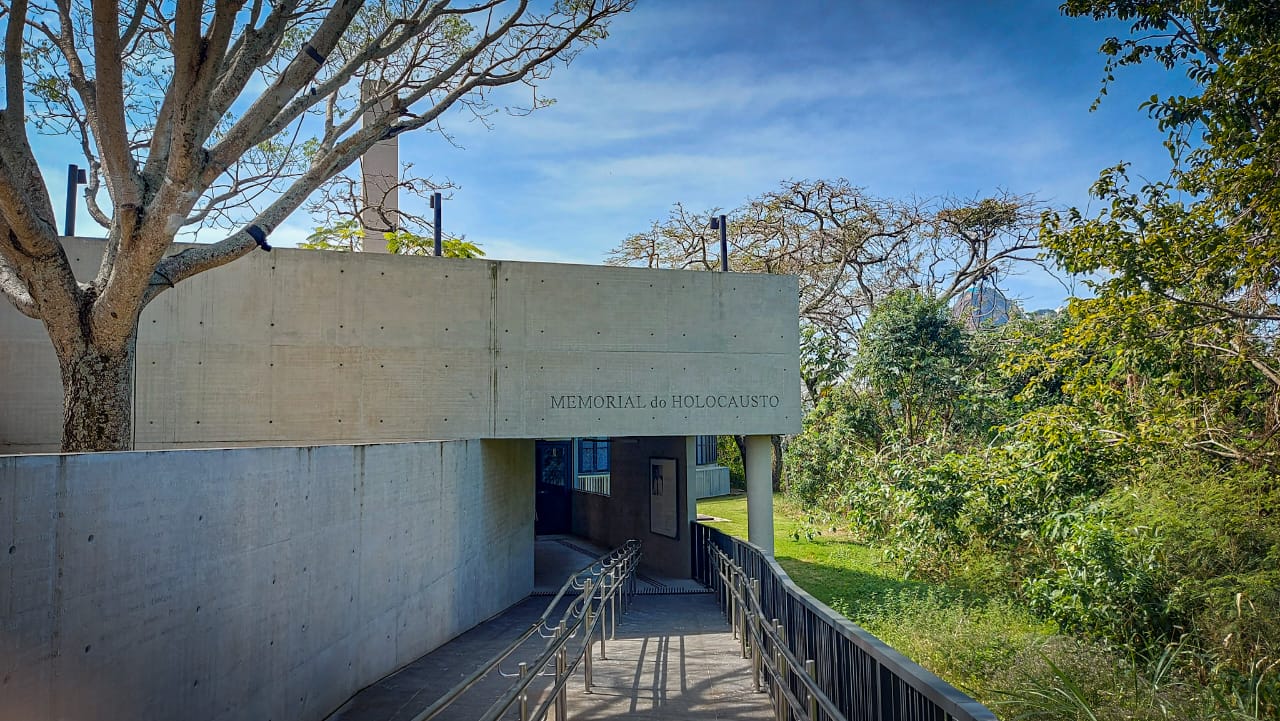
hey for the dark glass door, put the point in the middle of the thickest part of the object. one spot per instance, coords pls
(554, 487)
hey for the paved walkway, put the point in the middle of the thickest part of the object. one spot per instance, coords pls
(672, 658)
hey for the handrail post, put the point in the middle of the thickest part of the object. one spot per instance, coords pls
(524, 693)
(719, 581)
(613, 603)
(604, 620)
(757, 653)
(742, 616)
(724, 586)
(731, 608)
(604, 611)
(587, 592)
(561, 668)
(811, 668)
(780, 659)
(755, 594)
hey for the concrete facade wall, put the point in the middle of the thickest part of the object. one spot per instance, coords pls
(30, 391)
(624, 514)
(263, 583)
(296, 347)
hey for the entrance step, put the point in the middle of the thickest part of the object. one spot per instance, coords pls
(557, 556)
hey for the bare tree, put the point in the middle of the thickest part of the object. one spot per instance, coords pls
(347, 198)
(158, 96)
(848, 248)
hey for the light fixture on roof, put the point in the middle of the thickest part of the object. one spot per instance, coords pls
(435, 202)
(718, 223)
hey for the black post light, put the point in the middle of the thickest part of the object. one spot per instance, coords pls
(75, 176)
(436, 201)
(718, 223)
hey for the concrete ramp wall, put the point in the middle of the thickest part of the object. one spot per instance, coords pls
(254, 583)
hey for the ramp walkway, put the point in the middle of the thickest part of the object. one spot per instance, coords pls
(673, 656)
(782, 654)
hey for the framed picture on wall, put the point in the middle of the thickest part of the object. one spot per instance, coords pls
(664, 497)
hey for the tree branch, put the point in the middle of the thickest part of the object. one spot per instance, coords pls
(12, 287)
(251, 51)
(248, 130)
(111, 129)
(15, 93)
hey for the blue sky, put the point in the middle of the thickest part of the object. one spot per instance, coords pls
(711, 103)
(688, 102)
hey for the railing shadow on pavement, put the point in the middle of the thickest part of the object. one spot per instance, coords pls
(605, 588)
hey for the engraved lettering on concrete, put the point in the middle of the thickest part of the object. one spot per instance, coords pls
(622, 401)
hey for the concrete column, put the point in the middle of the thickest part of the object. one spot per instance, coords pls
(759, 469)
(687, 475)
(380, 168)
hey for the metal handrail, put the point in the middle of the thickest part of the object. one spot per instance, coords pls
(606, 587)
(860, 677)
(747, 617)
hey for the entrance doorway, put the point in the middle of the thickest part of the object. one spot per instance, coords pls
(554, 499)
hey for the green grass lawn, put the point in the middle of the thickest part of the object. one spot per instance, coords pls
(966, 640)
(830, 565)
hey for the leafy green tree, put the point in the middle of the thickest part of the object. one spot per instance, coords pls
(348, 236)
(912, 354)
(823, 361)
(1189, 298)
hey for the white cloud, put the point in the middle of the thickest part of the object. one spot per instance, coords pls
(508, 249)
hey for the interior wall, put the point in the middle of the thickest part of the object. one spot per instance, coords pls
(254, 583)
(624, 514)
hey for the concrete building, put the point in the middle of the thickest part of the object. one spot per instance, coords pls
(982, 306)
(344, 459)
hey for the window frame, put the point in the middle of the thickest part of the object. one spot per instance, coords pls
(705, 446)
(594, 468)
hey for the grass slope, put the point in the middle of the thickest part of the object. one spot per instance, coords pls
(967, 640)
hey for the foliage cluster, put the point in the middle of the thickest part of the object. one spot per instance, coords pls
(1020, 461)
(987, 643)
(1114, 468)
(348, 236)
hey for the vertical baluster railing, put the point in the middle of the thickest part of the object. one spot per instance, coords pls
(815, 663)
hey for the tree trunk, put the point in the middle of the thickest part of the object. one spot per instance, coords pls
(97, 388)
(777, 462)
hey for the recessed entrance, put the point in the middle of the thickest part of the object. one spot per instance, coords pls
(554, 501)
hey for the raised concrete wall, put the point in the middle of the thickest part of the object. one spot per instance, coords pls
(299, 347)
(263, 583)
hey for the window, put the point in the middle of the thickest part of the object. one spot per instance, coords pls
(593, 455)
(706, 450)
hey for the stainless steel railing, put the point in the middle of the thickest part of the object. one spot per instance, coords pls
(816, 664)
(795, 695)
(605, 589)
